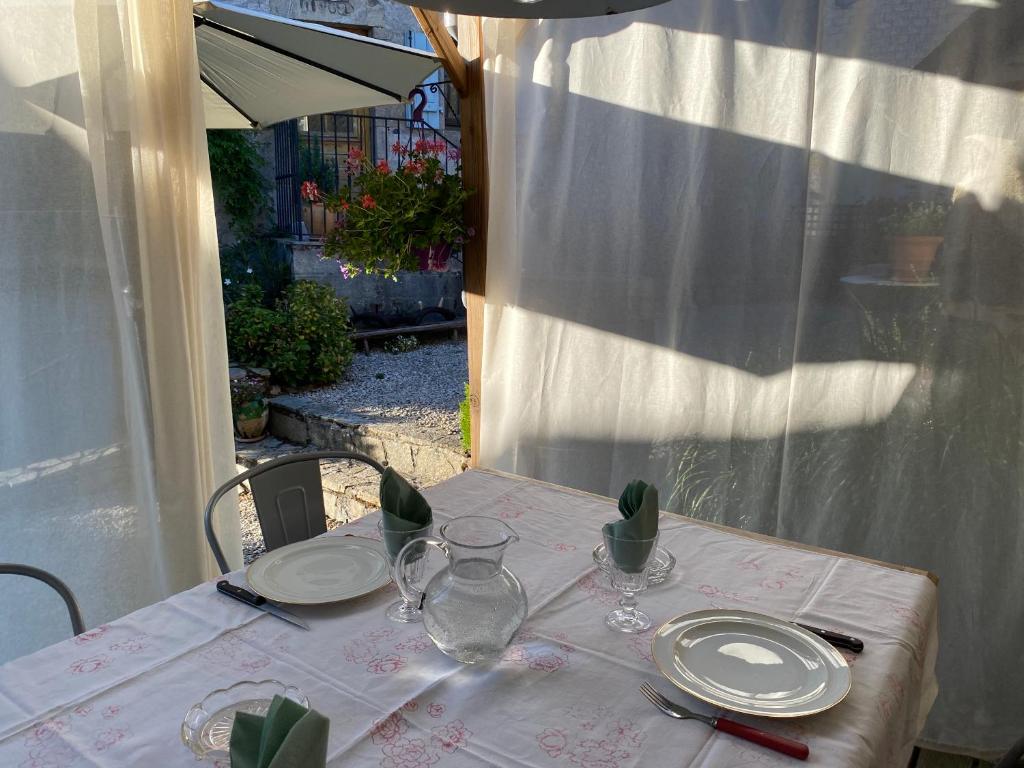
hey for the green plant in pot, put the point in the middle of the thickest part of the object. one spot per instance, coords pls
(321, 179)
(915, 234)
(406, 218)
(249, 406)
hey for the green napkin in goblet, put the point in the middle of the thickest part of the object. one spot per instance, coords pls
(290, 736)
(638, 505)
(403, 511)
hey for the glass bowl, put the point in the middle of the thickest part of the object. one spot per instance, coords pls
(661, 566)
(207, 726)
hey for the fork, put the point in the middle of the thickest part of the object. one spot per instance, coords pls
(781, 744)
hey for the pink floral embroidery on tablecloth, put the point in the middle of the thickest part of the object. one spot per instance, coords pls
(593, 586)
(109, 738)
(510, 514)
(91, 635)
(591, 738)
(408, 753)
(89, 665)
(232, 651)
(82, 710)
(435, 710)
(749, 563)
(131, 645)
(383, 665)
(563, 547)
(640, 644)
(450, 736)
(416, 644)
(389, 729)
(411, 706)
(531, 650)
(710, 591)
(369, 650)
(112, 711)
(553, 741)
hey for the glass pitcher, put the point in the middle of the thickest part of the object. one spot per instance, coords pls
(473, 607)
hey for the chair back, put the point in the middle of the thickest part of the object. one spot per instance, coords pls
(289, 503)
(288, 496)
(18, 569)
(1014, 758)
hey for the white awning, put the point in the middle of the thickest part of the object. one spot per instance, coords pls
(258, 69)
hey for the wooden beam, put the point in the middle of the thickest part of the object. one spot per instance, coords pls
(432, 24)
(474, 176)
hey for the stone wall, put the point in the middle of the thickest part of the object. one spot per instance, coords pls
(412, 290)
(386, 19)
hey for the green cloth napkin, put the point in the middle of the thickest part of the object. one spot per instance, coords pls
(403, 510)
(290, 736)
(639, 507)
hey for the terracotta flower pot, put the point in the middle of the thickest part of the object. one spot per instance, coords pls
(435, 258)
(252, 430)
(318, 221)
(911, 256)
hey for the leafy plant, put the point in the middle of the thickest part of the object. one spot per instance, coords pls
(916, 219)
(314, 167)
(254, 261)
(464, 422)
(400, 344)
(303, 340)
(236, 168)
(248, 397)
(389, 214)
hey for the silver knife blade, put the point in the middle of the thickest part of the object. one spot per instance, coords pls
(243, 595)
(281, 613)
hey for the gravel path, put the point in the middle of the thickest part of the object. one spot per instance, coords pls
(422, 387)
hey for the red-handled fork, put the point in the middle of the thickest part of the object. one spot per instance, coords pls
(781, 744)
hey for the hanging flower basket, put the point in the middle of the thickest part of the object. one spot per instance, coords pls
(407, 218)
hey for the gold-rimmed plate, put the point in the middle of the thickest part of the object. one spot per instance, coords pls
(327, 569)
(751, 663)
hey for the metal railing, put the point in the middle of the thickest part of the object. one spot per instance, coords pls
(317, 149)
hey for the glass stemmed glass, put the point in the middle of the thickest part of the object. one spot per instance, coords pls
(629, 562)
(404, 610)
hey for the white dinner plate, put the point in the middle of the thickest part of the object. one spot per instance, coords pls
(322, 570)
(751, 663)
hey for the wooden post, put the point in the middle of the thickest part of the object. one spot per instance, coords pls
(465, 65)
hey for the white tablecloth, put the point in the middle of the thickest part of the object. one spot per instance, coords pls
(565, 695)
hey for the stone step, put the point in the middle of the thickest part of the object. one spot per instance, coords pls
(351, 489)
(411, 450)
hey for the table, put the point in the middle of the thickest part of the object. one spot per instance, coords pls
(564, 696)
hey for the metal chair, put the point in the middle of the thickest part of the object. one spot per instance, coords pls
(289, 499)
(1014, 758)
(77, 625)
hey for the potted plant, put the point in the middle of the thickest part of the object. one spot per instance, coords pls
(321, 179)
(406, 218)
(249, 406)
(915, 234)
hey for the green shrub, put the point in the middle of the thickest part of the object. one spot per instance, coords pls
(236, 168)
(464, 422)
(254, 261)
(303, 340)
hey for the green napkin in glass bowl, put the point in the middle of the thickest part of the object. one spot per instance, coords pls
(638, 505)
(290, 736)
(403, 510)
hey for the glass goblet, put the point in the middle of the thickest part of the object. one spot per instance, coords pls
(629, 562)
(405, 611)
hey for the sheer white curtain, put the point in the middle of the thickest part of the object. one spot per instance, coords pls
(689, 281)
(113, 383)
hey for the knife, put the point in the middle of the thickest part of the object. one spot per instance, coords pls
(835, 638)
(258, 601)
